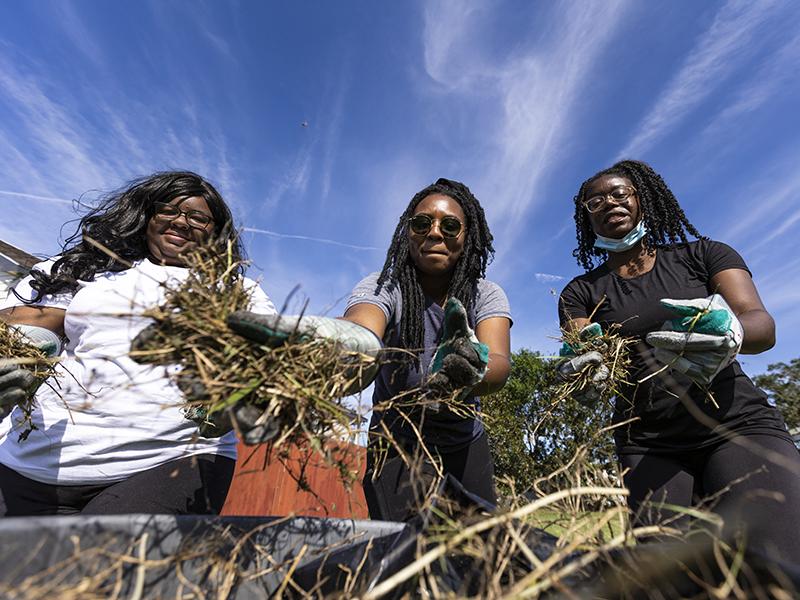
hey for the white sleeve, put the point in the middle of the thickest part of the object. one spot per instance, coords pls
(259, 302)
(24, 292)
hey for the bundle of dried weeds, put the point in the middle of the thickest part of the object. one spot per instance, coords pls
(19, 351)
(615, 350)
(554, 546)
(294, 389)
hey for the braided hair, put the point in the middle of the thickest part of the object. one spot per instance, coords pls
(664, 218)
(399, 268)
(119, 223)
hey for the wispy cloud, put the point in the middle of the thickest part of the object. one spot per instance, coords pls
(777, 72)
(547, 277)
(72, 25)
(719, 52)
(528, 99)
(333, 127)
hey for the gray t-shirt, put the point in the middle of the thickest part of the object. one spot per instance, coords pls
(444, 430)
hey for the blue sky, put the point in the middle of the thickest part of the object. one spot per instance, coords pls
(520, 100)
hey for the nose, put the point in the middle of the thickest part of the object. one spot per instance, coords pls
(434, 231)
(181, 221)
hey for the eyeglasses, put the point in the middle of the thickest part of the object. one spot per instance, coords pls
(619, 194)
(450, 227)
(194, 218)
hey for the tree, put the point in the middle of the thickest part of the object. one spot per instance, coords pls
(532, 431)
(781, 382)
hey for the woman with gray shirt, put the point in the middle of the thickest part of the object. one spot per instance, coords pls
(439, 252)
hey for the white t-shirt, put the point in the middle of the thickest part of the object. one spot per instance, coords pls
(108, 416)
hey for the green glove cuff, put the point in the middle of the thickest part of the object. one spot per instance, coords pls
(714, 322)
(591, 331)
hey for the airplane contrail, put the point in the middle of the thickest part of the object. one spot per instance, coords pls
(35, 197)
(311, 239)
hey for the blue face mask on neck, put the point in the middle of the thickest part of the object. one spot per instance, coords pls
(626, 243)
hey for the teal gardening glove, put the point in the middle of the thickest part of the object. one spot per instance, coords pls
(702, 340)
(17, 383)
(581, 356)
(460, 362)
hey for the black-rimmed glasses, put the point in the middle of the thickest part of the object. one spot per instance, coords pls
(619, 194)
(194, 218)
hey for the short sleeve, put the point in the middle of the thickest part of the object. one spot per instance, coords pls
(260, 303)
(366, 292)
(719, 257)
(23, 293)
(491, 301)
(572, 304)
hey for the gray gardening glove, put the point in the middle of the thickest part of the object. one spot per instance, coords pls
(276, 330)
(575, 360)
(702, 341)
(17, 383)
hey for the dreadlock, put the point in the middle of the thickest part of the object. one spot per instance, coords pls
(471, 266)
(664, 218)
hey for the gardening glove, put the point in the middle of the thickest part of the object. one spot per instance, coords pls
(276, 330)
(581, 356)
(252, 423)
(18, 383)
(460, 361)
(702, 341)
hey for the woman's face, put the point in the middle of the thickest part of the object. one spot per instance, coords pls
(433, 252)
(170, 237)
(615, 218)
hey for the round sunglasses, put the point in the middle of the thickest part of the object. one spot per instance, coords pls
(449, 227)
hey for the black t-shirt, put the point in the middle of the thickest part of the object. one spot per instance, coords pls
(665, 425)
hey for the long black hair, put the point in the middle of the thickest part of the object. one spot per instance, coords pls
(399, 269)
(119, 223)
(664, 218)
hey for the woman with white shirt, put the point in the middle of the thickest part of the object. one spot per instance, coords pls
(110, 435)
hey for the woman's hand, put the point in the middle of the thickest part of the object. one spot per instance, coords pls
(18, 383)
(701, 341)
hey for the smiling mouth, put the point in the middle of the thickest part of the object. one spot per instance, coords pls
(171, 234)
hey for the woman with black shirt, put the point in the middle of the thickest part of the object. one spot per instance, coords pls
(701, 428)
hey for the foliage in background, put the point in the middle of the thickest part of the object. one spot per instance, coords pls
(782, 384)
(533, 431)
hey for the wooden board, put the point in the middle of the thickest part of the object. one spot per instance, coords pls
(265, 486)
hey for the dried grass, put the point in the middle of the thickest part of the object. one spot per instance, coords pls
(296, 387)
(14, 344)
(615, 350)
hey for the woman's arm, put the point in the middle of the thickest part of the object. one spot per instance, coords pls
(42, 316)
(739, 291)
(369, 316)
(495, 332)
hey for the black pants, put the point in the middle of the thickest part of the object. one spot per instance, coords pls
(394, 494)
(193, 485)
(756, 495)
